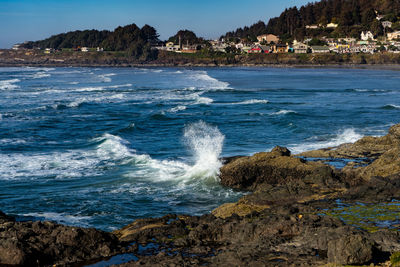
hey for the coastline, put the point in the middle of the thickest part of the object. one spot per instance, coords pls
(293, 215)
(27, 58)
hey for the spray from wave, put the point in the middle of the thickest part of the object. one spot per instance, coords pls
(205, 142)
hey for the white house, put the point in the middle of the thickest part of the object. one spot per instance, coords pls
(85, 49)
(365, 36)
(386, 24)
(332, 25)
(393, 35)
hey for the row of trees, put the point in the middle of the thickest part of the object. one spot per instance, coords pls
(352, 16)
(132, 39)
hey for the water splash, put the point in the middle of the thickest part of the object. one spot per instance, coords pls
(205, 142)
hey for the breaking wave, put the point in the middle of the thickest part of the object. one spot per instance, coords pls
(346, 136)
(203, 140)
(284, 112)
(9, 84)
(391, 106)
(252, 101)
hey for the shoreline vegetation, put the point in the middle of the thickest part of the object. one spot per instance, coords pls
(36, 58)
(300, 211)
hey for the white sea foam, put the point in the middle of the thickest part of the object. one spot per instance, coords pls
(283, 112)
(60, 218)
(204, 142)
(73, 83)
(345, 136)
(252, 101)
(392, 106)
(106, 77)
(9, 84)
(203, 101)
(156, 71)
(12, 141)
(204, 81)
(177, 108)
(77, 102)
(178, 72)
(40, 75)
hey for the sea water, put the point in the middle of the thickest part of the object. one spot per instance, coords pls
(100, 147)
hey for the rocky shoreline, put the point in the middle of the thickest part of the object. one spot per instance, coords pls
(289, 218)
(37, 58)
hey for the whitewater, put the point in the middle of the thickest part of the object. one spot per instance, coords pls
(100, 147)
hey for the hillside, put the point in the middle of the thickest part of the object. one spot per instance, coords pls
(132, 39)
(352, 16)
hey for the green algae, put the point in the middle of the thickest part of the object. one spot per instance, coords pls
(370, 217)
(395, 259)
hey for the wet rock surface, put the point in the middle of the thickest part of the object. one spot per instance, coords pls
(47, 243)
(289, 218)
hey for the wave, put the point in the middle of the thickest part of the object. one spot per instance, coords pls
(40, 75)
(81, 100)
(201, 100)
(390, 106)
(101, 88)
(252, 101)
(60, 218)
(204, 142)
(284, 112)
(369, 90)
(177, 108)
(9, 84)
(345, 136)
(105, 78)
(206, 82)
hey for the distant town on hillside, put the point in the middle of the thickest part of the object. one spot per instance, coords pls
(328, 26)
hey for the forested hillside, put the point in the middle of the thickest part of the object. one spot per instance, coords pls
(352, 16)
(132, 39)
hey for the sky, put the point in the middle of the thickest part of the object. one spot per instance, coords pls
(31, 20)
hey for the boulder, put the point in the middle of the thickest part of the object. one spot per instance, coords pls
(47, 243)
(277, 168)
(352, 249)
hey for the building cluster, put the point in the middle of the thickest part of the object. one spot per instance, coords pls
(269, 43)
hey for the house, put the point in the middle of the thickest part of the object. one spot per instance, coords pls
(268, 38)
(368, 49)
(379, 17)
(342, 48)
(48, 51)
(386, 24)
(347, 40)
(255, 50)
(299, 48)
(312, 26)
(365, 36)
(320, 49)
(393, 35)
(266, 49)
(169, 44)
(84, 49)
(16, 47)
(332, 25)
(280, 48)
(99, 49)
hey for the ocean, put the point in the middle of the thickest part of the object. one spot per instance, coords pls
(101, 147)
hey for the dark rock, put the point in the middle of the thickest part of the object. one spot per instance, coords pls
(276, 167)
(352, 249)
(45, 243)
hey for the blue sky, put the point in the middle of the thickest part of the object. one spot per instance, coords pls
(22, 20)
